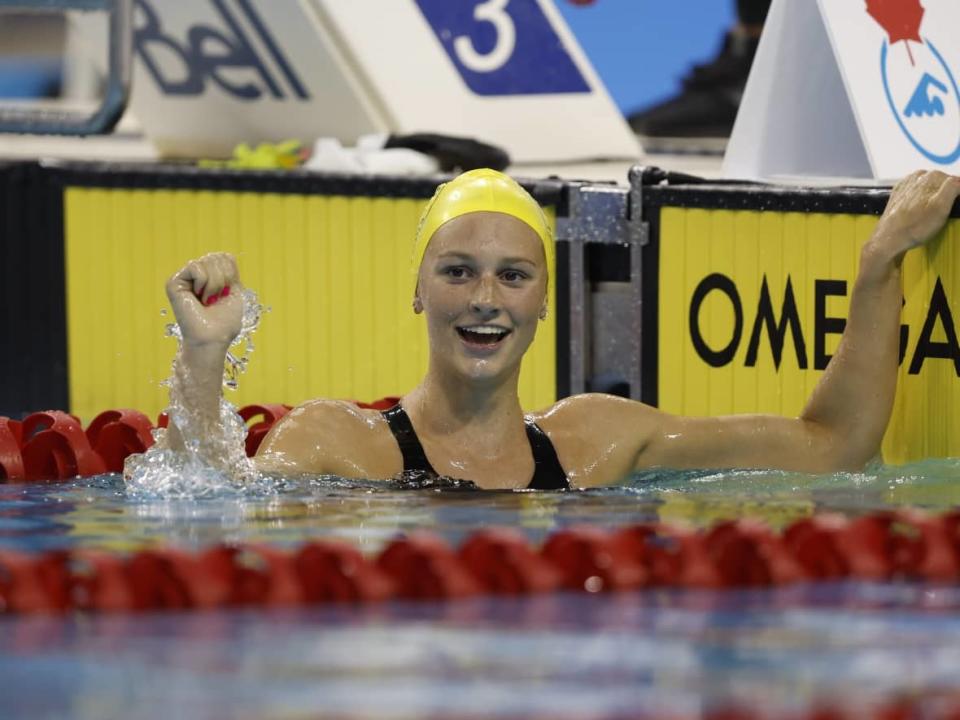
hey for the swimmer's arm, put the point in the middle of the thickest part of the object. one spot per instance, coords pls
(198, 373)
(629, 436)
(208, 325)
(841, 426)
(747, 441)
(845, 418)
(852, 402)
(330, 437)
(601, 439)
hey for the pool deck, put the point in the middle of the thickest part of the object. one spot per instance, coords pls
(127, 144)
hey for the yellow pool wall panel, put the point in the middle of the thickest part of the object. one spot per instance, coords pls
(332, 269)
(803, 248)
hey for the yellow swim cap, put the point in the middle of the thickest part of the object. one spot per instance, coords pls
(476, 191)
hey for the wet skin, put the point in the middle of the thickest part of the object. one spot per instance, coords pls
(482, 287)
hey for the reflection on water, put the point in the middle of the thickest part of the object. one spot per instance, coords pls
(650, 654)
(100, 512)
(637, 655)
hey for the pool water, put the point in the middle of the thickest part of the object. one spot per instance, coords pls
(98, 512)
(657, 654)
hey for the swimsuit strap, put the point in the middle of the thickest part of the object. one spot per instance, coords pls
(548, 473)
(414, 458)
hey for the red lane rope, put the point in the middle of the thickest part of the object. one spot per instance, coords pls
(52, 445)
(885, 546)
(928, 705)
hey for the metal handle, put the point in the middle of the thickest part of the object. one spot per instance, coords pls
(603, 215)
(47, 121)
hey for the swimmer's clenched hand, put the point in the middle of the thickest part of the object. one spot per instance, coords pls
(917, 209)
(207, 300)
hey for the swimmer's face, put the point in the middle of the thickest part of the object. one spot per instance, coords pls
(482, 286)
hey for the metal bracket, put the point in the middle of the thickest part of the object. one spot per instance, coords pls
(607, 215)
(56, 121)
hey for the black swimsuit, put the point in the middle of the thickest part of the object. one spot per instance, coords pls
(548, 473)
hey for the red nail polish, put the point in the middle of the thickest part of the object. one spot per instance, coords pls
(225, 292)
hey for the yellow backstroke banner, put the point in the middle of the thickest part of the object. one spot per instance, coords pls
(752, 305)
(332, 269)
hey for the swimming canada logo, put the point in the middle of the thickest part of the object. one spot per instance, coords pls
(920, 86)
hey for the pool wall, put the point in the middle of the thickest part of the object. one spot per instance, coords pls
(752, 292)
(328, 255)
(700, 297)
(33, 342)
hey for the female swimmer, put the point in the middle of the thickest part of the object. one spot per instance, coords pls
(481, 256)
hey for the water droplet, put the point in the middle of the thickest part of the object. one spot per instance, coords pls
(214, 460)
(593, 584)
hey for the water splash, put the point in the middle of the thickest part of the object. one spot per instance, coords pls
(213, 461)
(237, 363)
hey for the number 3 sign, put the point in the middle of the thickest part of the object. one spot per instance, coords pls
(503, 47)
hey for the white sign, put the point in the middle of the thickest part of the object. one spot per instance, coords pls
(212, 73)
(852, 88)
(209, 74)
(506, 71)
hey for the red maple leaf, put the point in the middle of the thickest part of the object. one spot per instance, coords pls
(900, 18)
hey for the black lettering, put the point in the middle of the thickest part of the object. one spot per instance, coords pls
(927, 348)
(209, 52)
(147, 37)
(724, 356)
(241, 55)
(776, 331)
(904, 336)
(285, 67)
(823, 325)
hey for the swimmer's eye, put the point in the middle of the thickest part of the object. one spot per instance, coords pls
(514, 276)
(456, 272)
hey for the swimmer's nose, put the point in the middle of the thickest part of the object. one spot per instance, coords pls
(485, 303)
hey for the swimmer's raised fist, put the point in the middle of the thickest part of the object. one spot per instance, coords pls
(207, 300)
(918, 207)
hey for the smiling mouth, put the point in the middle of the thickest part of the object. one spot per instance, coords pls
(485, 336)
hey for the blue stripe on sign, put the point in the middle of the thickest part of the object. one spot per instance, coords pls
(503, 47)
(285, 67)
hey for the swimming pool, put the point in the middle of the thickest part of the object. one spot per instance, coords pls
(852, 646)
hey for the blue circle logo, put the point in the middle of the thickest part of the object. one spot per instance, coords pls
(930, 112)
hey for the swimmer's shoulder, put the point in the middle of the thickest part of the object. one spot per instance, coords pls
(332, 437)
(598, 437)
(583, 413)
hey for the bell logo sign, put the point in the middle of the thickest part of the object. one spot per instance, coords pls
(225, 55)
